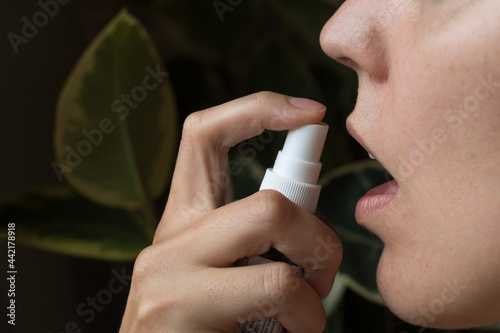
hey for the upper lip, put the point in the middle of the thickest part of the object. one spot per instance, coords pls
(352, 132)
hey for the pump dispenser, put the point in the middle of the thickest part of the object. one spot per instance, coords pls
(295, 174)
(296, 169)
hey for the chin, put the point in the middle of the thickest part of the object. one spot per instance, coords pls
(423, 297)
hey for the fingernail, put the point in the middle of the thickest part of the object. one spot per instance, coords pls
(307, 104)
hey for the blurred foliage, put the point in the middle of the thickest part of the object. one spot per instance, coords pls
(115, 190)
(115, 113)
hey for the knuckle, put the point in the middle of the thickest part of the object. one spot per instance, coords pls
(146, 314)
(144, 263)
(263, 98)
(280, 281)
(201, 128)
(340, 252)
(151, 305)
(272, 207)
(153, 310)
(193, 124)
(321, 322)
(277, 104)
(325, 291)
(155, 260)
(268, 100)
(337, 252)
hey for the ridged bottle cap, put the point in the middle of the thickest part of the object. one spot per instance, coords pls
(296, 170)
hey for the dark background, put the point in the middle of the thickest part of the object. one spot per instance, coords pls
(49, 287)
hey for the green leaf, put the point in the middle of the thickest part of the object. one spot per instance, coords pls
(116, 121)
(332, 301)
(342, 188)
(61, 220)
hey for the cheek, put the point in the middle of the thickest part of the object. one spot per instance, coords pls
(441, 265)
(443, 122)
(444, 107)
(422, 119)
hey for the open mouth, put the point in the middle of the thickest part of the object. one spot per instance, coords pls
(376, 198)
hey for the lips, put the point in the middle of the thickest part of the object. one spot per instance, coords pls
(375, 199)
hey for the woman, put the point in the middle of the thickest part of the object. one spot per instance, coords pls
(427, 110)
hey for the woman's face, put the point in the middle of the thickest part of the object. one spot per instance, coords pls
(429, 111)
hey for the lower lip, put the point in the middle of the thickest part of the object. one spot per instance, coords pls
(376, 199)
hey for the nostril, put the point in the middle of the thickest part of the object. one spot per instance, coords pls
(348, 62)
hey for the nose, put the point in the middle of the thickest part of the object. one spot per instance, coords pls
(356, 37)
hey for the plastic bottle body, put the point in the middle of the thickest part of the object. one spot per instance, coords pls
(295, 175)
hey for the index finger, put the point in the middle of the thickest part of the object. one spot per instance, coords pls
(207, 136)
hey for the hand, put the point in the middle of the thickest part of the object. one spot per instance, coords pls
(187, 281)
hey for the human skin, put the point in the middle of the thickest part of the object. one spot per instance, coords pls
(428, 109)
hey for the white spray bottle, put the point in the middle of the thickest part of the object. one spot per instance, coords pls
(295, 174)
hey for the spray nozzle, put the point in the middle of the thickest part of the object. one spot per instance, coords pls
(306, 142)
(297, 167)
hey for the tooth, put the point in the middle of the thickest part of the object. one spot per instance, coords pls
(371, 156)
